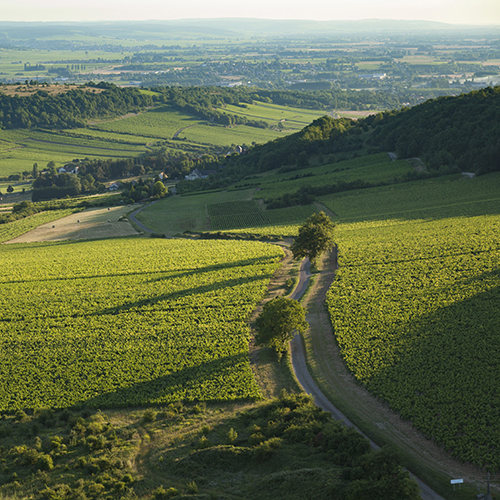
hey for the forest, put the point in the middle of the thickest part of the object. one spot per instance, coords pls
(71, 109)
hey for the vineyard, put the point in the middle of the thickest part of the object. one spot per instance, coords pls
(126, 322)
(237, 215)
(439, 197)
(415, 312)
(369, 169)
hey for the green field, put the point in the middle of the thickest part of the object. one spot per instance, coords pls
(415, 306)
(135, 321)
(292, 118)
(131, 136)
(233, 218)
(439, 197)
(372, 169)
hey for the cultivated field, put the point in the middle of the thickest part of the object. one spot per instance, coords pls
(414, 309)
(126, 322)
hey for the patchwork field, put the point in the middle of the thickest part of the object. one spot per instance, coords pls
(92, 223)
(132, 135)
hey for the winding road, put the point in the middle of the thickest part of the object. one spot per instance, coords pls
(304, 378)
(298, 356)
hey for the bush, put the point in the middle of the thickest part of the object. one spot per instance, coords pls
(162, 494)
(45, 462)
(232, 436)
(192, 488)
(149, 415)
(267, 449)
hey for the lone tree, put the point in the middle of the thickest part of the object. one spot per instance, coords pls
(279, 321)
(315, 237)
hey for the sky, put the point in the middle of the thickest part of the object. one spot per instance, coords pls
(448, 11)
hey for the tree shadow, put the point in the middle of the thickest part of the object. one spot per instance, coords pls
(167, 274)
(216, 380)
(443, 373)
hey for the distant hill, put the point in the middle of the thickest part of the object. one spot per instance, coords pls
(226, 27)
(460, 132)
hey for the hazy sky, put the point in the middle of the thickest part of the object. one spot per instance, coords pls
(450, 11)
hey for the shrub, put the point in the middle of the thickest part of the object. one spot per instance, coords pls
(203, 443)
(162, 494)
(232, 436)
(45, 462)
(267, 449)
(149, 415)
(192, 488)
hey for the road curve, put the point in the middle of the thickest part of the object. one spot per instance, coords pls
(140, 224)
(298, 357)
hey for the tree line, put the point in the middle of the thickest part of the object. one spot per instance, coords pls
(71, 109)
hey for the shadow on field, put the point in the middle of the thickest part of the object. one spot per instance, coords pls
(444, 371)
(187, 292)
(224, 378)
(168, 274)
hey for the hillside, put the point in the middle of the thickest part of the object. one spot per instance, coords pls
(448, 134)
(152, 322)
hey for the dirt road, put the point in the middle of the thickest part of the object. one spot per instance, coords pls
(306, 381)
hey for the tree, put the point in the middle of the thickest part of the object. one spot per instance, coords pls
(51, 167)
(10, 189)
(278, 322)
(315, 237)
(159, 189)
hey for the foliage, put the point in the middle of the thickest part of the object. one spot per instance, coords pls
(282, 448)
(448, 132)
(315, 237)
(68, 110)
(280, 319)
